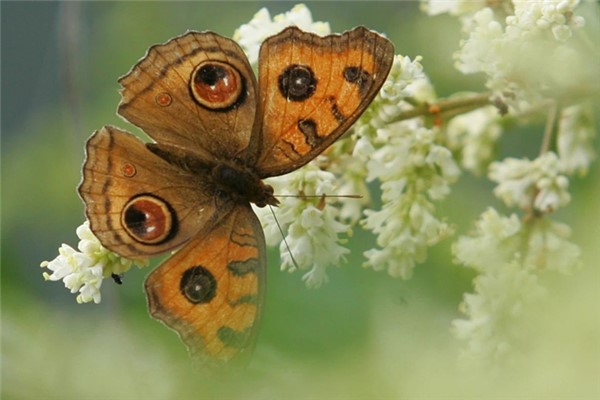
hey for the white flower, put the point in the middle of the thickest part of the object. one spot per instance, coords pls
(313, 224)
(524, 55)
(477, 52)
(452, 7)
(576, 134)
(350, 173)
(509, 257)
(474, 135)
(406, 80)
(390, 153)
(538, 183)
(413, 170)
(251, 35)
(405, 84)
(554, 16)
(494, 312)
(548, 247)
(493, 244)
(411, 167)
(83, 271)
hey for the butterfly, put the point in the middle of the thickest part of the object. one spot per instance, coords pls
(218, 132)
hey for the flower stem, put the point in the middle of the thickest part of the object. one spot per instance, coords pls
(456, 105)
(550, 121)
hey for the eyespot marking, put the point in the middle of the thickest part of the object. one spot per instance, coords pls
(163, 99)
(217, 85)
(198, 285)
(297, 82)
(359, 77)
(149, 219)
(128, 170)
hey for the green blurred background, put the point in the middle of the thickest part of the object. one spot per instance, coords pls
(363, 335)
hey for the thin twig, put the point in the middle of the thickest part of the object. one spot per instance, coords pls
(443, 106)
(549, 129)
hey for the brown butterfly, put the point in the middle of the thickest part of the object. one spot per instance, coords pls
(218, 133)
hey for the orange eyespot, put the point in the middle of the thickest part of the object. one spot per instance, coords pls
(163, 99)
(148, 219)
(216, 85)
(128, 170)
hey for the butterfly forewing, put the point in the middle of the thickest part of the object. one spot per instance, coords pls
(312, 89)
(196, 91)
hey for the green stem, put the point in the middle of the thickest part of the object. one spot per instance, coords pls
(549, 129)
(445, 106)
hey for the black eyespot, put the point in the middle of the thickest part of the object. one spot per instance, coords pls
(210, 74)
(297, 82)
(198, 285)
(359, 77)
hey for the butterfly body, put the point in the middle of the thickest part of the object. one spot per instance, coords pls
(230, 179)
(244, 185)
(218, 132)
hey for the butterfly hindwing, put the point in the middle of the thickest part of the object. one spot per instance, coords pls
(211, 291)
(137, 203)
(312, 89)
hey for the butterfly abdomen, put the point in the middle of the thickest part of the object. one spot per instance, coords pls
(242, 184)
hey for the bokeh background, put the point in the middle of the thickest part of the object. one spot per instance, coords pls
(363, 335)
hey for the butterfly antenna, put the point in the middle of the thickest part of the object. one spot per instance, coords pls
(283, 237)
(309, 196)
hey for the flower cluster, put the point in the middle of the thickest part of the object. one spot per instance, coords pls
(311, 221)
(261, 26)
(474, 136)
(509, 257)
(525, 184)
(413, 171)
(412, 168)
(453, 7)
(576, 134)
(520, 46)
(532, 61)
(83, 271)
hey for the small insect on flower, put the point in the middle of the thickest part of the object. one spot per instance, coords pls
(83, 271)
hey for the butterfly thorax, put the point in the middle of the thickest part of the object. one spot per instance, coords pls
(231, 179)
(242, 184)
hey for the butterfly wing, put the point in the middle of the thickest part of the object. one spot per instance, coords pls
(211, 291)
(312, 89)
(137, 203)
(195, 91)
